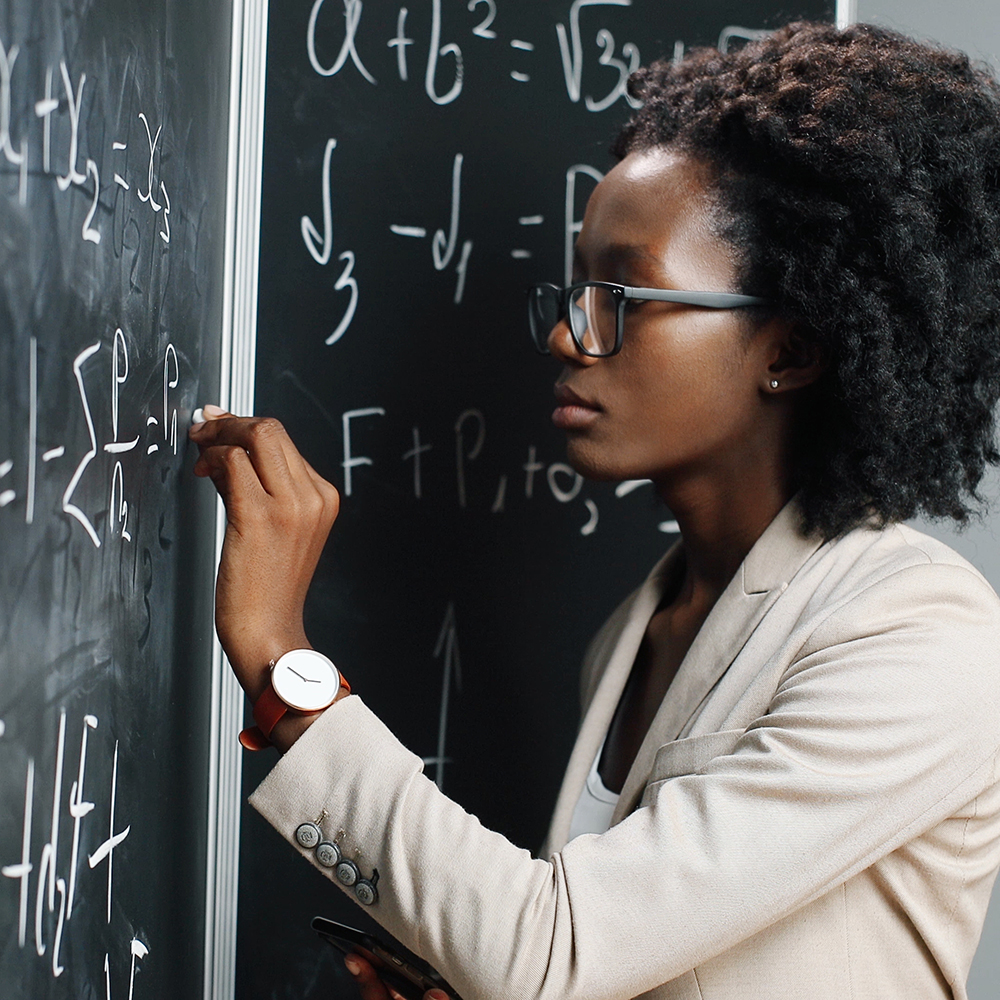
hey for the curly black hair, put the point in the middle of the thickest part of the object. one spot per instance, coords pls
(859, 175)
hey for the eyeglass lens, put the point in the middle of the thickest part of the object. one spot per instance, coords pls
(592, 317)
(543, 314)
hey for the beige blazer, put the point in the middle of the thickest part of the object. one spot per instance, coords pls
(814, 813)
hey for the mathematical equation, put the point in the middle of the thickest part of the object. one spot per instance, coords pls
(445, 240)
(322, 22)
(156, 433)
(56, 153)
(564, 483)
(45, 913)
(337, 26)
(331, 22)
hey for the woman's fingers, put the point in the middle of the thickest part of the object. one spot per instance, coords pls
(371, 986)
(279, 459)
(280, 470)
(273, 435)
(262, 438)
(232, 472)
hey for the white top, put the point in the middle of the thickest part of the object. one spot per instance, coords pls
(596, 804)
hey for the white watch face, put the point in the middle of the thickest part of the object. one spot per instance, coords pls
(306, 680)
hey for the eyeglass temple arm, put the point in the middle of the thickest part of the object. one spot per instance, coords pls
(709, 300)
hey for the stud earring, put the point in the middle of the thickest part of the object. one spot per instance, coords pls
(774, 383)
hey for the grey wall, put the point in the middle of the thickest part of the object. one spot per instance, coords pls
(974, 27)
(970, 25)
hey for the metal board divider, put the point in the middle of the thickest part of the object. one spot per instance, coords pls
(239, 338)
(846, 13)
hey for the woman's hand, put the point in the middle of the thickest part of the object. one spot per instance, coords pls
(279, 512)
(372, 988)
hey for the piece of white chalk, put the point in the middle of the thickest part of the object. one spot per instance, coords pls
(198, 417)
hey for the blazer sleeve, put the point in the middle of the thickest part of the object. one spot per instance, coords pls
(886, 721)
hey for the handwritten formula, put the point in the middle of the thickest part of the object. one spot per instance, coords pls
(344, 48)
(334, 23)
(112, 207)
(45, 914)
(157, 431)
(442, 56)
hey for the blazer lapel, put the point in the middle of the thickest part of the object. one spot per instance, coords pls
(599, 712)
(761, 579)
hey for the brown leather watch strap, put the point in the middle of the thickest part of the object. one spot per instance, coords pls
(267, 712)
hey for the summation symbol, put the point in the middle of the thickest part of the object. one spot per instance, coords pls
(67, 506)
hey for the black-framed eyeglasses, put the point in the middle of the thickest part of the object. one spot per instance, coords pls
(596, 311)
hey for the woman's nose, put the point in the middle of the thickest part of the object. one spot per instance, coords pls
(562, 345)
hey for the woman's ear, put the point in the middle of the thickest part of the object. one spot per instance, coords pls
(795, 361)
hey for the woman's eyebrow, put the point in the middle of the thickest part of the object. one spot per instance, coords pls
(629, 253)
(616, 254)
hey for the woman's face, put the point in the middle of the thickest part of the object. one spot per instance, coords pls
(684, 395)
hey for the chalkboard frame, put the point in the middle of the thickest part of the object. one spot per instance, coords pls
(248, 60)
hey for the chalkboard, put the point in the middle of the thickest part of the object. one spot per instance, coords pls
(113, 166)
(423, 165)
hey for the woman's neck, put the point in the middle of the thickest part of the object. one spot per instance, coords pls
(719, 525)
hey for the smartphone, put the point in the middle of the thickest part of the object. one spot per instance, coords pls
(395, 971)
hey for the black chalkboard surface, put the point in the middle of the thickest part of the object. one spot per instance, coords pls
(113, 145)
(421, 167)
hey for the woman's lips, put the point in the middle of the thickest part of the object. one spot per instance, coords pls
(573, 412)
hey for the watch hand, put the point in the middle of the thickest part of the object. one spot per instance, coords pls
(292, 670)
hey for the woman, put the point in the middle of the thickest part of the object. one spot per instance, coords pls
(794, 725)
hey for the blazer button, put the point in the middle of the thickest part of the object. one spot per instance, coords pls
(366, 892)
(328, 854)
(347, 872)
(307, 835)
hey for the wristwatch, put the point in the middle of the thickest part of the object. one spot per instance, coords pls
(301, 679)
